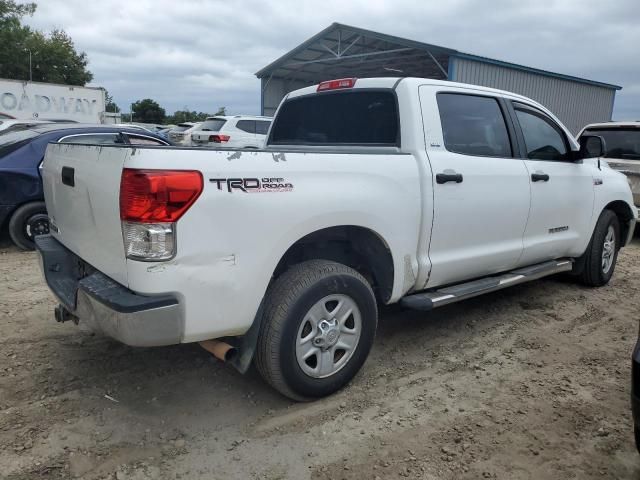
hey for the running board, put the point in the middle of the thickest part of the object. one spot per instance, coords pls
(444, 296)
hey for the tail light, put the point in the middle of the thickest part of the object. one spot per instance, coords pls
(336, 84)
(219, 138)
(151, 202)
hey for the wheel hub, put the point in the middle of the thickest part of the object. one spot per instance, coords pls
(328, 334)
(608, 250)
(37, 225)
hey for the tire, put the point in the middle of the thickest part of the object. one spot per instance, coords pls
(595, 273)
(290, 329)
(26, 222)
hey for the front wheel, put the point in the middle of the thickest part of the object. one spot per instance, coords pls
(26, 223)
(318, 327)
(602, 252)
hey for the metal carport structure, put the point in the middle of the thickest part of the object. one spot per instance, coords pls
(345, 51)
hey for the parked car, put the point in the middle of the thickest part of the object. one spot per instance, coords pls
(370, 191)
(187, 134)
(22, 208)
(176, 134)
(164, 132)
(622, 140)
(10, 123)
(240, 131)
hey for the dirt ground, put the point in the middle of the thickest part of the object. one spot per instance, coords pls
(528, 383)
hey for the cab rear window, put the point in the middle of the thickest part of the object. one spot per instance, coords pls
(357, 117)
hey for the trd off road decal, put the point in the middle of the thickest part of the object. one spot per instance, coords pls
(253, 185)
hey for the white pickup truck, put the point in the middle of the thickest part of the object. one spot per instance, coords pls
(370, 191)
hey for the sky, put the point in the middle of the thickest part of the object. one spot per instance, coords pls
(203, 54)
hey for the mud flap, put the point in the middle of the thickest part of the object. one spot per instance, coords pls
(246, 344)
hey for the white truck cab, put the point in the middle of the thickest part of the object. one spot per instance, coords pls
(369, 191)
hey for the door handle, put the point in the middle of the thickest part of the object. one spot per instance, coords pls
(448, 177)
(539, 177)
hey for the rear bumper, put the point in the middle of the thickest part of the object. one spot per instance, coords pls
(104, 305)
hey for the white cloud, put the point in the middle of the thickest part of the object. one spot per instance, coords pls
(204, 53)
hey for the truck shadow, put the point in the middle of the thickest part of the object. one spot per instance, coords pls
(158, 381)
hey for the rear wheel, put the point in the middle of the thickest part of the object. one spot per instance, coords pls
(318, 327)
(602, 253)
(27, 222)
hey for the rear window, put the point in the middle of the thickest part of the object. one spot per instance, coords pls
(10, 141)
(622, 143)
(136, 140)
(362, 117)
(213, 125)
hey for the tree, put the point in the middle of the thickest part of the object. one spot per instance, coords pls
(147, 111)
(185, 115)
(13, 38)
(53, 57)
(110, 106)
(9, 9)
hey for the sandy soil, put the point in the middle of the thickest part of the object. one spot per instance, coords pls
(528, 383)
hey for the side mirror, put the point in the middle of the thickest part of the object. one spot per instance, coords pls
(592, 146)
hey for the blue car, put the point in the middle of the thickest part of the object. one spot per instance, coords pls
(22, 208)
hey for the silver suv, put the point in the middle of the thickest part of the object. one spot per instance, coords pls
(622, 142)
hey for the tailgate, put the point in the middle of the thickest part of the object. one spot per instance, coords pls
(82, 193)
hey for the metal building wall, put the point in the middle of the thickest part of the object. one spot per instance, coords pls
(575, 104)
(274, 90)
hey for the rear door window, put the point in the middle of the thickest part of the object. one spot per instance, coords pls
(262, 127)
(473, 125)
(248, 126)
(93, 139)
(357, 117)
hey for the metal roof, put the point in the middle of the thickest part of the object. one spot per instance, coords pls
(342, 50)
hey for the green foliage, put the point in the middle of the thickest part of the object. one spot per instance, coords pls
(10, 9)
(110, 105)
(148, 111)
(193, 116)
(186, 116)
(53, 56)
